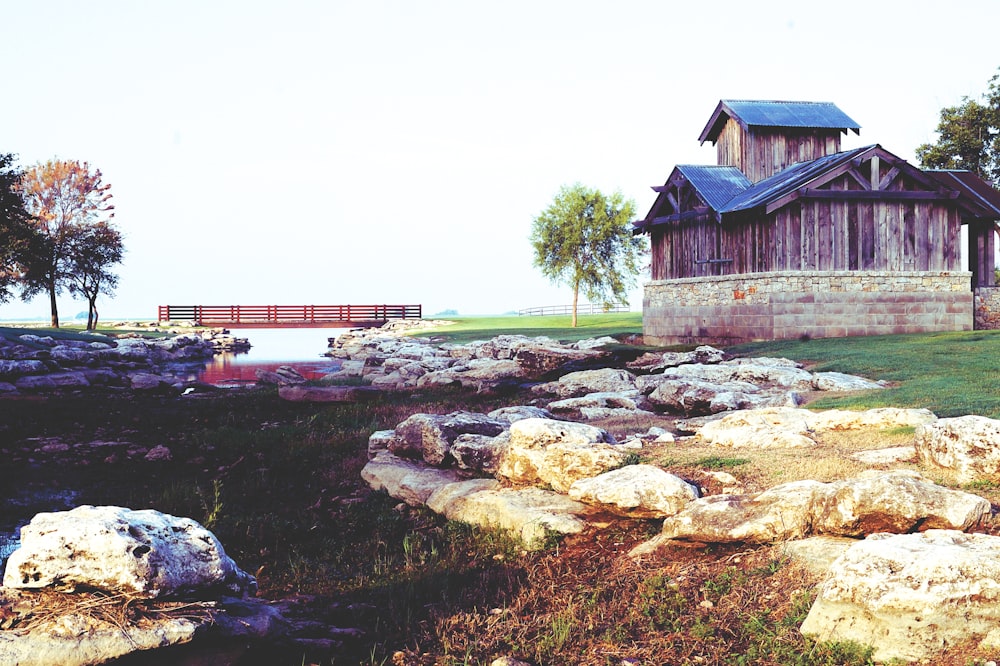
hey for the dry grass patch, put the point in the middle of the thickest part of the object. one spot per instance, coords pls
(28, 610)
(588, 604)
(760, 469)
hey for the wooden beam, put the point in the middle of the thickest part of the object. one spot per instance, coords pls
(858, 178)
(673, 201)
(700, 214)
(878, 195)
(889, 177)
(875, 177)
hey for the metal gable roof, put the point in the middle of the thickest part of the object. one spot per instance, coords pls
(755, 113)
(969, 184)
(788, 180)
(715, 184)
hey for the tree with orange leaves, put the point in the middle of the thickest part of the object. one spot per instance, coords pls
(65, 198)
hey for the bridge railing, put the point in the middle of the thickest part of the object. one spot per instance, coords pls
(582, 308)
(279, 314)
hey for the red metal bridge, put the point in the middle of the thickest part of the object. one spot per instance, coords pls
(288, 316)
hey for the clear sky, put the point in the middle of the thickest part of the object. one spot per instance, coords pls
(334, 151)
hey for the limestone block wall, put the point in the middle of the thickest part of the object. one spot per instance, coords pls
(819, 304)
(987, 307)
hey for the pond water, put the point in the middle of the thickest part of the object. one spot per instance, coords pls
(301, 348)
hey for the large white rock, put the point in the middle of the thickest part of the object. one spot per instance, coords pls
(787, 427)
(838, 381)
(772, 427)
(623, 401)
(880, 418)
(696, 396)
(636, 491)
(594, 343)
(726, 373)
(779, 372)
(817, 554)
(519, 412)
(969, 445)
(406, 480)
(557, 453)
(84, 640)
(602, 380)
(477, 373)
(910, 596)
(531, 514)
(898, 501)
(430, 436)
(144, 553)
(881, 502)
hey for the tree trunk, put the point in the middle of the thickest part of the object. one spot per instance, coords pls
(53, 306)
(91, 314)
(576, 295)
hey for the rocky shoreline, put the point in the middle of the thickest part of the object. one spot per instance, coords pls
(31, 363)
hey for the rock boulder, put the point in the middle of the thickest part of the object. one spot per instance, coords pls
(968, 444)
(142, 553)
(912, 595)
(557, 453)
(882, 502)
(636, 491)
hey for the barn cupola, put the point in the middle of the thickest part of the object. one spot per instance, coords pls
(762, 138)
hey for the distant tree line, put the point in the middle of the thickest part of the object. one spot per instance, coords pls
(56, 233)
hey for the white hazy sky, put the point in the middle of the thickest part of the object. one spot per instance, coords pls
(333, 151)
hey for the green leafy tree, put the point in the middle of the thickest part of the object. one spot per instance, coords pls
(584, 239)
(15, 230)
(93, 250)
(64, 199)
(968, 136)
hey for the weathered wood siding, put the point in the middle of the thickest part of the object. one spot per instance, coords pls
(982, 249)
(814, 235)
(760, 153)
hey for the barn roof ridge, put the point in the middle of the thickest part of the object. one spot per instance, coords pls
(777, 113)
(791, 178)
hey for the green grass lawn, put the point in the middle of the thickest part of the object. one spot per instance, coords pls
(951, 373)
(468, 329)
(68, 333)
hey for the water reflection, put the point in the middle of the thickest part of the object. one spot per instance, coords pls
(301, 348)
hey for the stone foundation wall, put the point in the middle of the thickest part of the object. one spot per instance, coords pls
(767, 306)
(987, 307)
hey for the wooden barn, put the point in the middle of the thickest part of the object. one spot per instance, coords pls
(789, 236)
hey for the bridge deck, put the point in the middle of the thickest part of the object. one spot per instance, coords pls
(288, 316)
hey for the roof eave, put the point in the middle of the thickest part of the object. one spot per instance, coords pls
(711, 133)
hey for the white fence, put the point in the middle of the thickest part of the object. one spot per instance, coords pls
(582, 308)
